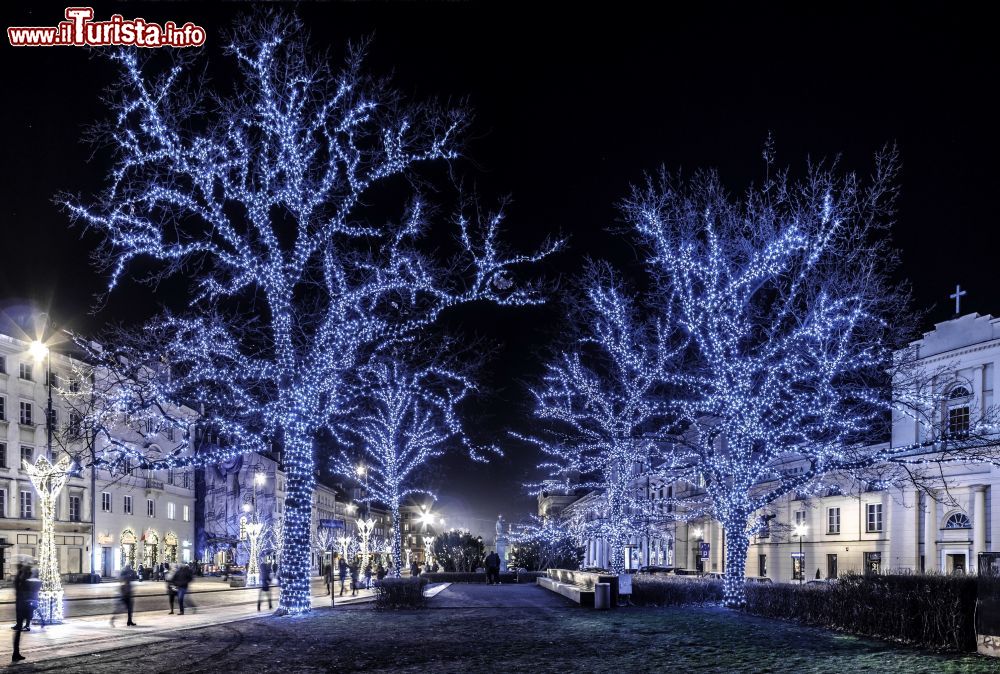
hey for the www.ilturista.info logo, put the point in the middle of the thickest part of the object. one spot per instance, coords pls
(79, 30)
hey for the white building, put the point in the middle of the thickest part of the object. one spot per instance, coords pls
(857, 527)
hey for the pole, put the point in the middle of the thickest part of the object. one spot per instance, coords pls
(802, 562)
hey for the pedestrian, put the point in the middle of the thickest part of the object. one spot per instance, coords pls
(22, 608)
(265, 584)
(342, 568)
(354, 579)
(182, 580)
(171, 589)
(368, 576)
(414, 569)
(125, 580)
(493, 568)
(380, 572)
(328, 575)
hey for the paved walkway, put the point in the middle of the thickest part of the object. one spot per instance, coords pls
(478, 595)
(94, 634)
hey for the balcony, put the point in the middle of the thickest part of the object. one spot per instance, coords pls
(153, 484)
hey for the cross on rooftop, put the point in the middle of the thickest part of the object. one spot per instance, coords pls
(957, 296)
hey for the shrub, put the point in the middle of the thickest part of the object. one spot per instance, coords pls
(926, 610)
(465, 577)
(400, 593)
(529, 576)
(674, 591)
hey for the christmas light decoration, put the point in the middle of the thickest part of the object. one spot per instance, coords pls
(254, 531)
(48, 480)
(365, 529)
(599, 399)
(403, 418)
(262, 194)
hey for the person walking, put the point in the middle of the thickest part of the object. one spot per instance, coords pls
(171, 589)
(368, 576)
(125, 579)
(22, 608)
(380, 572)
(328, 575)
(354, 579)
(182, 580)
(414, 569)
(265, 585)
(343, 574)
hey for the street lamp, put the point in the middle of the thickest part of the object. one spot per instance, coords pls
(39, 351)
(800, 531)
(48, 479)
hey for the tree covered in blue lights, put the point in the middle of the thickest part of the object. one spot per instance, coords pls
(278, 198)
(789, 315)
(602, 403)
(399, 419)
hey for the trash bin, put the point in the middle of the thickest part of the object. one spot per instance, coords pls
(602, 596)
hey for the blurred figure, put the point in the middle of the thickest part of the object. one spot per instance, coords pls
(182, 580)
(368, 576)
(22, 607)
(265, 584)
(354, 578)
(126, 578)
(328, 575)
(168, 575)
(343, 574)
(380, 572)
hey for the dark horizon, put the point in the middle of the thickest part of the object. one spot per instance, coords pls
(570, 110)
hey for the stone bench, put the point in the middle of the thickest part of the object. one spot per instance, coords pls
(581, 595)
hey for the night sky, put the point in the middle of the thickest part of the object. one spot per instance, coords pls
(571, 107)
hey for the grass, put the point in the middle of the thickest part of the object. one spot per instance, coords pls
(689, 639)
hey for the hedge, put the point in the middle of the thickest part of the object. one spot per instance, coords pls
(673, 591)
(400, 593)
(925, 610)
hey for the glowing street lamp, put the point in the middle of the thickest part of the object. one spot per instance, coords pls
(800, 531)
(49, 479)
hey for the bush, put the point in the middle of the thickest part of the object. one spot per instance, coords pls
(926, 610)
(674, 591)
(400, 593)
(466, 577)
(529, 576)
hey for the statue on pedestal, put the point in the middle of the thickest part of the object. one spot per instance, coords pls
(501, 544)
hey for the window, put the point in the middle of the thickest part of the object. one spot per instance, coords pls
(959, 400)
(765, 528)
(800, 517)
(53, 379)
(958, 521)
(26, 505)
(74, 385)
(187, 514)
(53, 418)
(831, 566)
(185, 478)
(24, 371)
(106, 502)
(762, 566)
(170, 433)
(170, 479)
(833, 521)
(75, 423)
(150, 508)
(74, 508)
(874, 517)
(27, 454)
(128, 505)
(3, 503)
(3, 408)
(26, 413)
(3, 364)
(170, 511)
(3, 455)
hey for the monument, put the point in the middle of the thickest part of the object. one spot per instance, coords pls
(501, 544)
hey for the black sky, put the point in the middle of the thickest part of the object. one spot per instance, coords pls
(572, 106)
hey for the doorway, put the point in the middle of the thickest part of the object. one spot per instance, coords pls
(106, 562)
(956, 563)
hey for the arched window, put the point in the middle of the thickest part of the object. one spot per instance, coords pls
(958, 521)
(959, 399)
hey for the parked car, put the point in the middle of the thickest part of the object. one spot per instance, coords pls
(712, 575)
(825, 582)
(757, 579)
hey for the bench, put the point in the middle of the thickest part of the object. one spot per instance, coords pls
(581, 595)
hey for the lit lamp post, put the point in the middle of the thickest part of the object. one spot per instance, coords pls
(429, 542)
(49, 479)
(344, 542)
(254, 530)
(698, 533)
(800, 531)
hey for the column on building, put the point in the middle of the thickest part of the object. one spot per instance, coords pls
(978, 524)
(916, 531)
(977, 393)
(930, 533)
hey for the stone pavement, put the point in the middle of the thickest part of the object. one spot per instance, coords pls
(93, 634)
(478, 595)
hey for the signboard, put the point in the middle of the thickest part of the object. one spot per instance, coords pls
(706, 549)
(798, 555)
(332, 524)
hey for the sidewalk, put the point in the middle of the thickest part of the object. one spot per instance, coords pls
(93, 634)
(108, 589)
